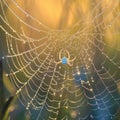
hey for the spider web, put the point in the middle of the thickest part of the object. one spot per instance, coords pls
(89, 89)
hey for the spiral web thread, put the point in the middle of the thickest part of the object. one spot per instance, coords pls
(89, 89)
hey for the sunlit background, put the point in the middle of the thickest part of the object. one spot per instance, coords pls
(35, 36)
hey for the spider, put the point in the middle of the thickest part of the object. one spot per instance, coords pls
(65, 60)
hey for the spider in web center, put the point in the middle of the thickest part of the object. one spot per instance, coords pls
(65, 60)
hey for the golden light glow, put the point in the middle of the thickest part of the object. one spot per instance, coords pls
(49, 11)
(73, 114)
